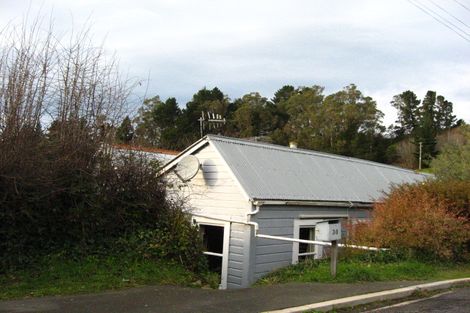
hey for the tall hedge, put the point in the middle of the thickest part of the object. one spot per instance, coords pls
(84, 199)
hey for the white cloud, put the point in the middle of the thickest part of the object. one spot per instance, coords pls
(384, 47)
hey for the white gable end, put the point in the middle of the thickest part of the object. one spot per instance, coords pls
(214, 191)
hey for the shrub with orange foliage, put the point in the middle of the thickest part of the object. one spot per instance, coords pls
(455, 192)
(415, 220)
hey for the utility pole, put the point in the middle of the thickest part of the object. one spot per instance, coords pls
(420, 153)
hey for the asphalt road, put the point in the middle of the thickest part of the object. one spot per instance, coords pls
(456, 301)
(172, 299)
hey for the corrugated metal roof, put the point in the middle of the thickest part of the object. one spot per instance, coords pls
(162, 157)
(272, 172)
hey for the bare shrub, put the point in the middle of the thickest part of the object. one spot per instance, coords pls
(61, 189)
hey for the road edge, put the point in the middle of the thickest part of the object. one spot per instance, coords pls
(372, 297)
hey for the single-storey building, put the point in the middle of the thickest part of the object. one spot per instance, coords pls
(240, 192)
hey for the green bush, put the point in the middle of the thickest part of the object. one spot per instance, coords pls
(84, 200)
(453, 163)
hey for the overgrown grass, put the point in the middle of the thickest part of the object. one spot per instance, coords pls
(361, 271)
(59, 276)
(426, 170)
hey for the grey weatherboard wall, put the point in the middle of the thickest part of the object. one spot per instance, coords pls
(279, 221)
(301, 183)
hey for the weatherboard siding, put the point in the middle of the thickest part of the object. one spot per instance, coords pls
(238, 258)
(213, 191)
(271, 254)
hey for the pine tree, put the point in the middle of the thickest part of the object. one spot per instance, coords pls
(125, 132)
(407, 105)
(444, 118)
(426, 134)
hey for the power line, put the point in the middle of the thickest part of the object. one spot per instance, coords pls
(444, 19)
(438, 20)
(462, 5)
(455, 17)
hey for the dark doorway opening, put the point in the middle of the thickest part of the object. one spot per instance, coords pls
(306, 251)
(213, 242)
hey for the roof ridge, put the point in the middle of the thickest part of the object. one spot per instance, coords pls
(268, 145)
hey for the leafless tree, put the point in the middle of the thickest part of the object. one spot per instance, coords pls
(68, 80)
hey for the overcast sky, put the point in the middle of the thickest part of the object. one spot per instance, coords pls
(384, 47)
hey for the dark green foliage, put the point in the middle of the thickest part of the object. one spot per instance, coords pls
(157, 123)
(283, 94)
(427, 131)
(70, 195)
(346, 122)
(253, 117)
(407, 105)
(204, 100)
(454, 161)
(125, 131)
(420, 122)
(443, 116)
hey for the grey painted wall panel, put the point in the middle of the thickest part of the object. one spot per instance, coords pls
(274, 257)
(236, 249)
(269, 267)
(235, 256)
(272, 254)
(275, 248)
(236, 242)
(234, 280)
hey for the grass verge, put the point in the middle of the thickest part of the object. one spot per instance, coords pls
(360, 271)
(58, 276)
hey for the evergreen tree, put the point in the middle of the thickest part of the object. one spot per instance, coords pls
(283, 94)
(444, 118)
(407, 105)
(125, 132)
(426, 135)
(253, 116)
(204, 100)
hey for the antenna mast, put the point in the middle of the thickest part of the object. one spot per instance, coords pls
(210, 120)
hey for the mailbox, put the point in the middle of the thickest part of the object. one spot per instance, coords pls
(328, 230)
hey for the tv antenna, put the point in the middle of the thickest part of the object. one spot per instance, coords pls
(210, 120)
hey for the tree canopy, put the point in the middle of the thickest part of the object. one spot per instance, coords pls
(346, 122)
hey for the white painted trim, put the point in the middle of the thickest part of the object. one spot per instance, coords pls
(190, 150)
(226, 245)
(213, 253)
(342, 204)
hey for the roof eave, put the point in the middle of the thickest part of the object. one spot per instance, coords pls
(342, 204)
(194, 147)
